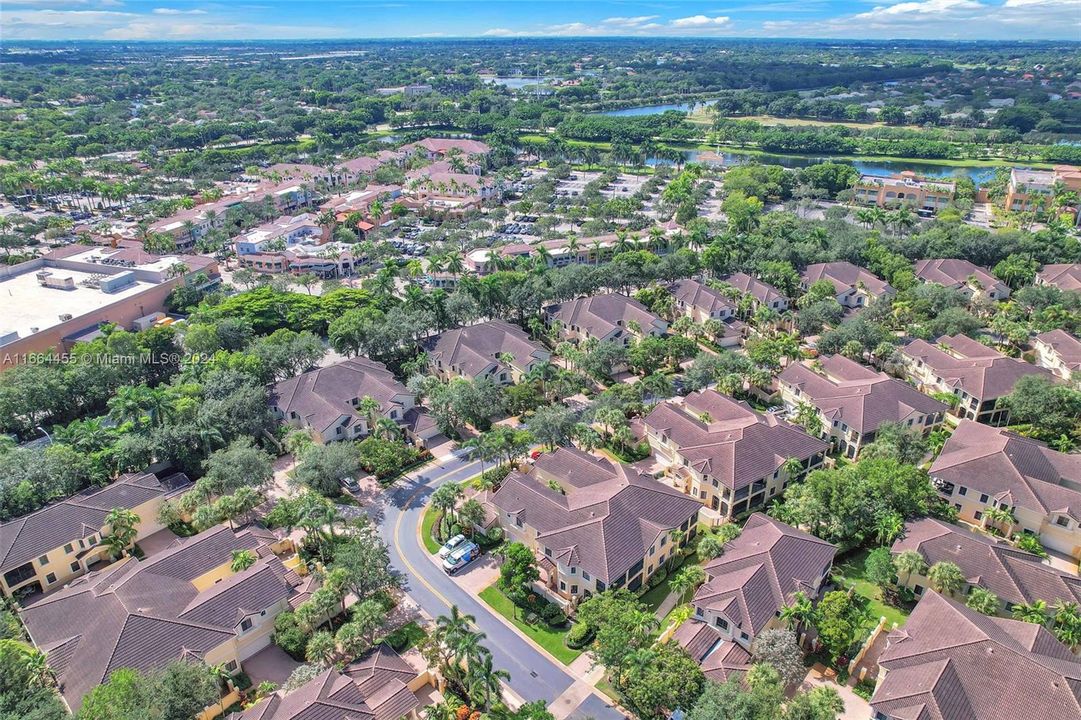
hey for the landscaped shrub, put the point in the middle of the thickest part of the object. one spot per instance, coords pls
(579, 636)
(658, 577)
(289, 636)
(553, 615)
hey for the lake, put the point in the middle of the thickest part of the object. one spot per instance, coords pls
(979, 175)
(517, 83)
(658, 109)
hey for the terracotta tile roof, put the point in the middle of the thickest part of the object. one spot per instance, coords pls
(601, 315)
(604, 525)
(373, 688)
(971, 366)
(1064, 276)
(1013, 575)
(146, 614)
(761, 570)
(444, 145)
(701, 297)
(738, 445)
(760, 291)
(1016, 470)
(1065, 345)
(323, 395)
(76, 517)
(846, 276)
(956, 273)
(952, 663)
(863, 399)
(475, 349)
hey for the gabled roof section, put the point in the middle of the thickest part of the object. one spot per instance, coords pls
(845, 276)
(968, 365)
(475, 349)
(701, 297)
(952, 272)
(760, 291)
(601, 315)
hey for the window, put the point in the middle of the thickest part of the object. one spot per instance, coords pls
(562, 585)
(75, 567)
(1062, 521)
(574, 571)
(983, 498)
(722, 623)
(548, 552)
(978, 515)
(918, 589)
(43, 560)
(50, 578)
(231, 666)
(245, 624)
(744, 636)
(574, 589)
(69, 549)
(962, 490)
(585, 575)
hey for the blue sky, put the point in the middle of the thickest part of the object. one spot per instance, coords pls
(265, 19)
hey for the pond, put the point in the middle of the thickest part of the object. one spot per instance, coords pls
(658, 109)
(979, 175)
(517, 83)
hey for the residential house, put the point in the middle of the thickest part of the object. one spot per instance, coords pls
(46, 549)
(982, 467)
(327, 400)
(1059, 352)
(185, 602)
(594, 524)
(495, 349)
(963, 276)
(905, 188)
(700, 303)
(977, 374)
(855, 287)
(1066, 276)
(378, 686)
(609, 317)
(950, 662)
(758, 575)
(720, 659)
(854, 401)
(1014, 576)
(764, 294)
(727, 456)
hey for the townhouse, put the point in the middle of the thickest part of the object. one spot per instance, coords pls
(1059, 352)
(496, 350)
(758, 575)
(904, 188)
(982, 467)
(1014, 576)
(763, 294)
(1064, 276)
(576, 511)
(326, 401)
(1030, 190)
(720, 659)
(977, 374)
(185, 602)
(963, 276)
(611, 317)
(949, 662)
(727, 456)
(855, 287)
(700, 303)
(438, 148)
(562, 252)
(854, 401)
(46, 549)
(284, 232)
(380, 685)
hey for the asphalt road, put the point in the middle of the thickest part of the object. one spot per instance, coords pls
(533, 676)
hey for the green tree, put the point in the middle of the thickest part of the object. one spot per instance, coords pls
(660, 680)
(909, 563)
(879, 568)
(983, 600)
(946, 577)
(840, 620)
(518, 571)
(123, 528)
(242, 560)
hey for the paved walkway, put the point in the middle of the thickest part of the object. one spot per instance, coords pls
(856, 708)
(666, 606)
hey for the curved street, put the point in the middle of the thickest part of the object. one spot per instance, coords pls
(533, 675)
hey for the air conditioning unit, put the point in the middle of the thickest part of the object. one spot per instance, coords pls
(64, 317)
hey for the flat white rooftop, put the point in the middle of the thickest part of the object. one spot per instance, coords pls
(25, 304)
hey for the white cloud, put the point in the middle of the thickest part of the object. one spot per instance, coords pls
(628, 21)
(177, 11)
(701, 21)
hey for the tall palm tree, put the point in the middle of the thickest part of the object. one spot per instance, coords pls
(123, 529)
(242, 560)
(798, 612)
(910, 563)
(484, 680)
(1035, 613)
(946, 577)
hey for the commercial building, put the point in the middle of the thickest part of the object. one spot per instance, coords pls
(905, 188)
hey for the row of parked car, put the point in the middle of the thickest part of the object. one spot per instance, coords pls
(458, 552)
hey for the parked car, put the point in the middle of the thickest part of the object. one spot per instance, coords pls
(350, 484)
(449, 545)
(461, 556)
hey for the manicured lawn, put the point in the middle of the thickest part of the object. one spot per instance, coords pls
(405, 637)
(431, 515)
(852, 569)
(549, 639)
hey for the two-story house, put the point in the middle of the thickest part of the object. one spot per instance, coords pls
(576, 511)
(610, 317)
(758, 575)
(854, 401)
(327, 400)
(48, 548)
(1059, 352)
(762, 293)
(700, 303)
(727, 456)
(963, 276)
(496, 350)
(982, 467)
(855, 287)
(977, 374)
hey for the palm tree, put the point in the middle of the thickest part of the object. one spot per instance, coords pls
(242, 560)
(999, 517)
(484, 680)
(1067, 624)
(888, 527)
(1035, 613)
(983, 601)
(686, 579)
(946, 577)
(798, 612)
(122, 524)
(910, 563)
